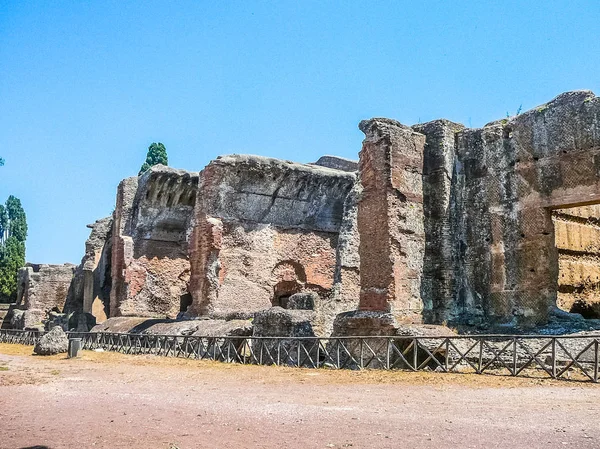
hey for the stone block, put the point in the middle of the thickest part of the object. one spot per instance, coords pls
(53, 342)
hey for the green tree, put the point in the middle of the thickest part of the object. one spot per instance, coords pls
(1, 162)
(157, 154)
(3, 224)
(12, 257)
(13, 232)
(17, 221)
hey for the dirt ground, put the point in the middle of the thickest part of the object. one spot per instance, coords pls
(108, 400)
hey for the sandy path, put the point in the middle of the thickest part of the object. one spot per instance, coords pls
(106, 400)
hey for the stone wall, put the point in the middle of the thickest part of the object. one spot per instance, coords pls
(441, 224)
(41, 289)
(337, 163)
(90, 291)
(440, 279)
(390, 219)
(152, 224)
(43, 286)
(497, 260)
(266, 229)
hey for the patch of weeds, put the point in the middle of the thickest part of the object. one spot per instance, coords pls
(55, 372)
(3, 368)
(542, 108)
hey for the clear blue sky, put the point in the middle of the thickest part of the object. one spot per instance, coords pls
(85, 87)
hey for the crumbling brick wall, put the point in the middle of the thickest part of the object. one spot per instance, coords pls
(41, 289)
(266, 229)
(90, 290)
(152, 224)
(447, 224)
(390, 218)
(507, 178)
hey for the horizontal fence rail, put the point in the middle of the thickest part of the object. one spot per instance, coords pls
(557, 357)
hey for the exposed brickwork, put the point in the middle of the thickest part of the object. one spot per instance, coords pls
(264, 230)
(390, 218)
(442, 224)
(207, 272)
(152, 224)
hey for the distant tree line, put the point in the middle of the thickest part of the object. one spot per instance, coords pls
(13, 233)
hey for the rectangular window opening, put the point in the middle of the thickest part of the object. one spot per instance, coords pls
(577, 240)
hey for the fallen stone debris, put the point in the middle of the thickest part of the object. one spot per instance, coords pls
(53, 342)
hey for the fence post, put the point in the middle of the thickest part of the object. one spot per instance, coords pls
(318, 353)
(596, 361)
(514, 372)
(361, 354)
(278, 352)
(387, 354)
(415, 353)
(553, 357)
(480, 356)
(260, 355)
(446, 364)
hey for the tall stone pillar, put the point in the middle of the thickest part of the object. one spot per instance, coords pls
(390, 219)
(392, 236)
(206, 244)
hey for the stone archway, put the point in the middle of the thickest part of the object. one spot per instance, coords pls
(290, 278)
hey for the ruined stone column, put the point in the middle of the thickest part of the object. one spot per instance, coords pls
(122, 244)
(390, 219)
(204, 257)
(392, 238)
(439, 182)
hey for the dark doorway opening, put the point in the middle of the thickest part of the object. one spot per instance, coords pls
(185, 301)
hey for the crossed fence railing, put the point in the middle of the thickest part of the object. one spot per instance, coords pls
(567, 357)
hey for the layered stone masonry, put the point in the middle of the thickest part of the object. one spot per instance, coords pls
(152, 227)
(266, 229)
(475, 227)
(577, 238)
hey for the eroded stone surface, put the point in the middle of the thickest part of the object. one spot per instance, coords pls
(443, 224)
(42, 288)
(338, 163)
(279, 322)
(53, 342)
(509, 176)
(198, 327)
(390, 218)
(90, 290)
(266, 229)
(150, 266)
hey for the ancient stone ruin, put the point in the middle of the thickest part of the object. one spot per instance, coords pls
(478, 229)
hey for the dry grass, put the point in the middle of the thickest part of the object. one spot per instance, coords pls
(275, 374)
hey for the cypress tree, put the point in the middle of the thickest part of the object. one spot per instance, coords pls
(3, 224)
(157, 154)
(12, 257)
(13, 233)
